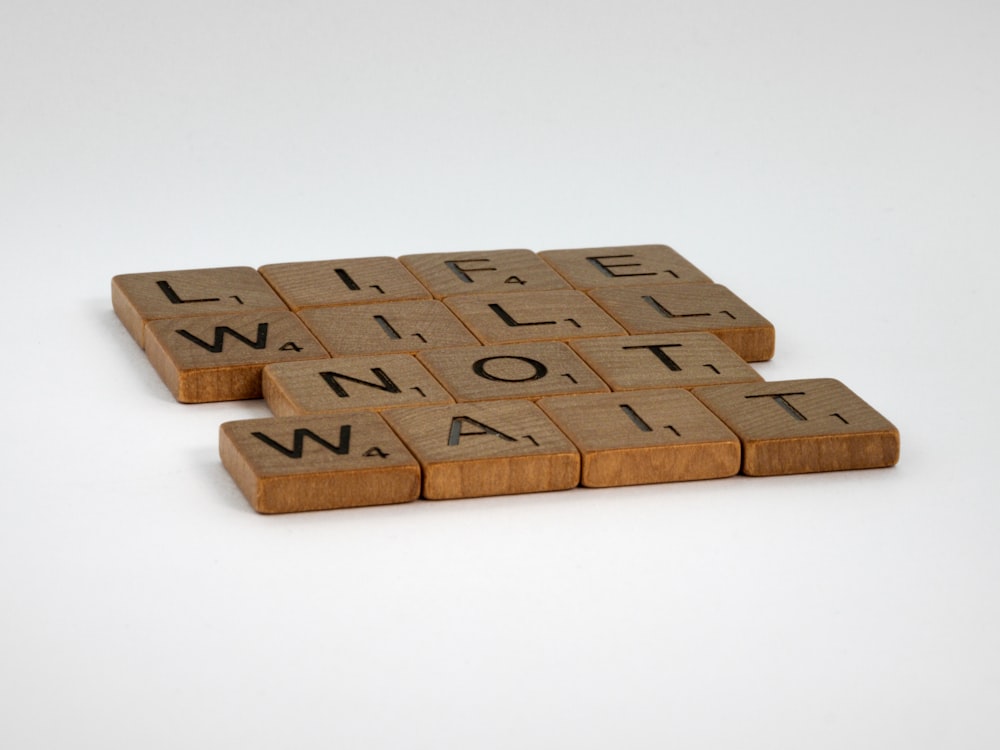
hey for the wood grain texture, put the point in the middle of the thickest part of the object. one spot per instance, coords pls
(494, 271)
(554, 315)
(800, 426)
(524, 371)
(645, 437)
(290, 464)
(138, 298)
(679, 308)
(326, 386)
(390, 328)
(678, 360)
(487, 448)
(221, 357)
(502, 371)
(352, 281)
(591, 267)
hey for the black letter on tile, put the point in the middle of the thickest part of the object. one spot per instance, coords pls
(298, 441)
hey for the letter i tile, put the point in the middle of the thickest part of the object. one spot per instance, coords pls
(486, 448)
(287, 464)
(402, 327)
(799, 426)
(323, 283)
(645, 437)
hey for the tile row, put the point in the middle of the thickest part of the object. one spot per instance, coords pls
(447, 375)
(472, 449)
(210, 332)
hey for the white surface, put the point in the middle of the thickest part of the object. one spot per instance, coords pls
(833, 163)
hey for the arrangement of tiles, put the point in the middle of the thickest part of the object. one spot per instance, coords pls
(453, 375)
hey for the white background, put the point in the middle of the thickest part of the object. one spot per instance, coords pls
(835, 163)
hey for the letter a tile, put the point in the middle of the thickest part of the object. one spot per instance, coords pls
(486, 448)
(221, 357)
(287, 464)
(799, 426)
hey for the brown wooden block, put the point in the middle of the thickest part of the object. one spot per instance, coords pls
(220, 357)
(390, 328)
(325, 386)
(288, 464)
(556, 315)
(324, 283)
(678, 308)
(644, 437)
(591, 267)
(521, 371)
(138, 298)
(447, 274)
(659, 360)
(486, 448)
(798, 426)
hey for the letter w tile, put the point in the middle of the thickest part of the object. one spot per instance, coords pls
(299, 438)
(220, 338)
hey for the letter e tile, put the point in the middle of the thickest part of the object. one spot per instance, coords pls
(799, 426)
(288, 464)
(645, 437)
(486, 448)
(592, 267)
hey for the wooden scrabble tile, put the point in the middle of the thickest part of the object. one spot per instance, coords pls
(138, 298)
(643, 437)
(325, 386)
(324, 283)
(522, 371)
(486, 448)
(663, 360)
(678, 308)
(390, 328)
(287, 464)
(555, 315)
(798, 426)
(220, 357)
(590, 267)
(447, 274)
